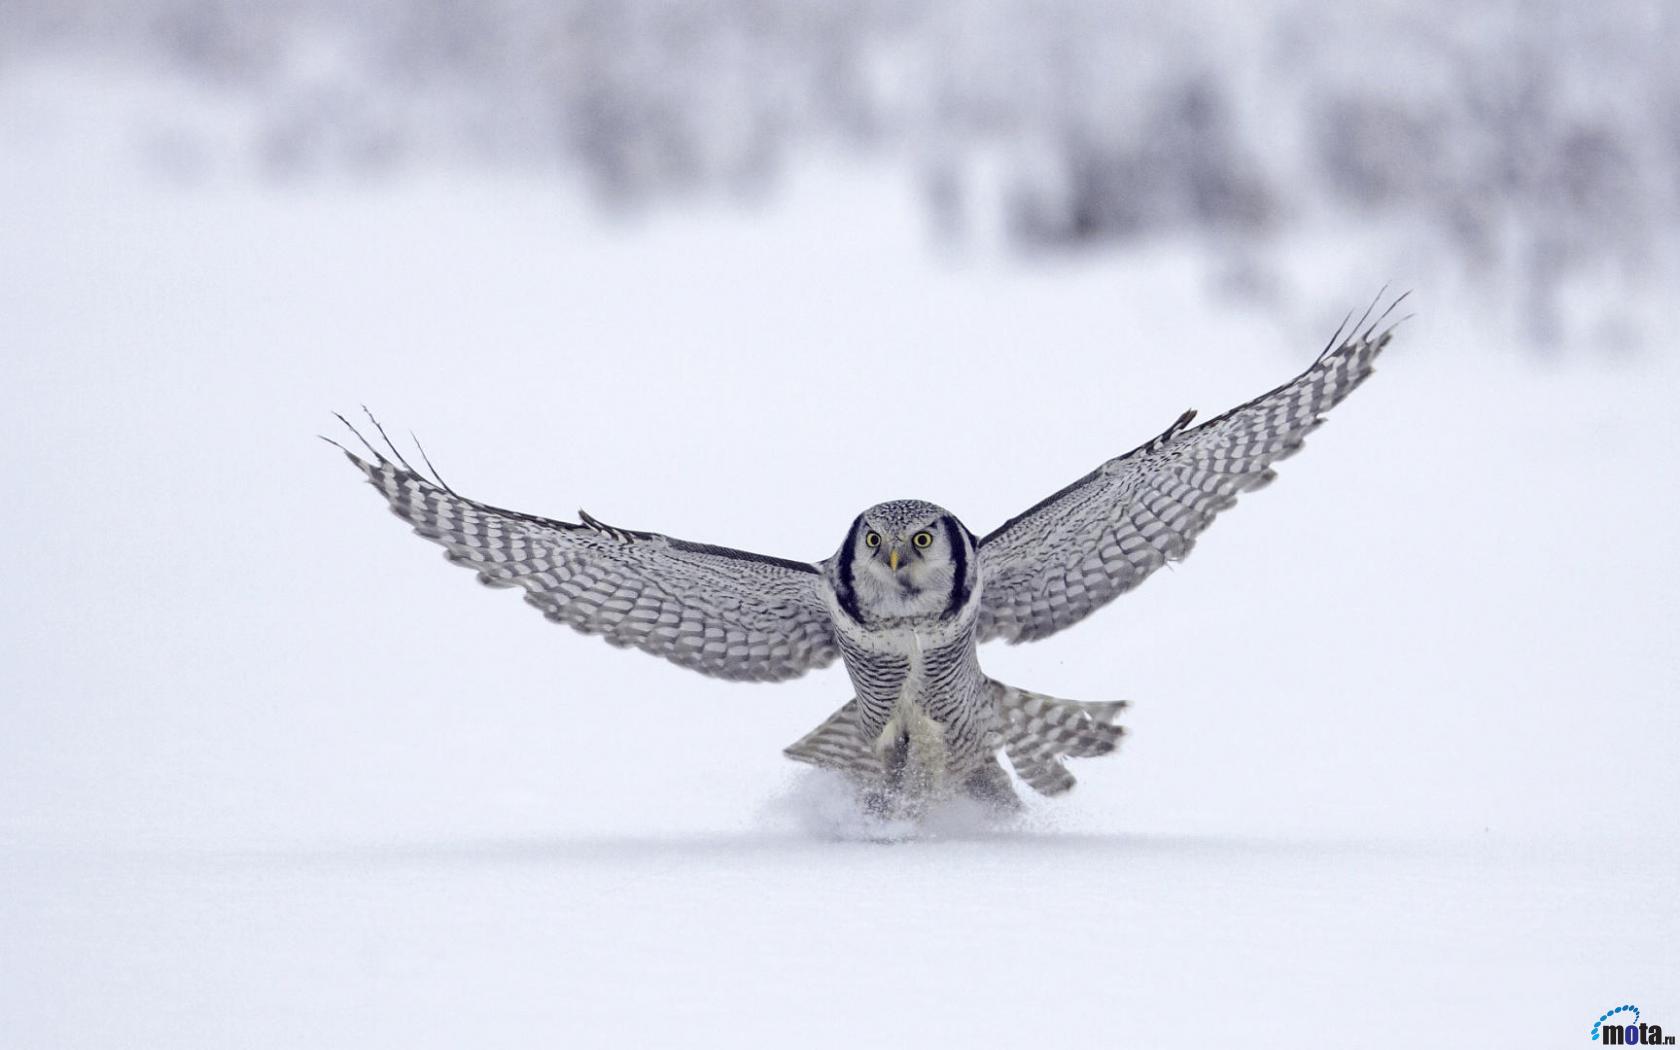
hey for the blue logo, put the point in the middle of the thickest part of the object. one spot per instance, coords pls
(1619, 1032)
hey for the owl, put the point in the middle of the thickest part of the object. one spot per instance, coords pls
(908, 598)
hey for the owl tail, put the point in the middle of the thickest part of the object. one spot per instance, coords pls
(838, 744)
(1039, 731)
(1035, 731)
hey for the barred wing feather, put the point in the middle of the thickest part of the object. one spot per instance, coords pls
(1096, 539)
(725, 613)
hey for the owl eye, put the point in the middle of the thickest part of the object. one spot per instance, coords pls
(924, 540)
(872, 539)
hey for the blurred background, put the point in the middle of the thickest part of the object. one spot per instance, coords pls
(1528, 150)
(1403, 726)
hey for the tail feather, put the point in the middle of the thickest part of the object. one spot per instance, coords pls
(837, 744)
(1037, 732)
(1040, 731)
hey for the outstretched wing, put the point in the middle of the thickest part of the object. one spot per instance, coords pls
(1104, 534)
(722, 612)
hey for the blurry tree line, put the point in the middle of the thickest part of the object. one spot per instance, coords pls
(1538, 140)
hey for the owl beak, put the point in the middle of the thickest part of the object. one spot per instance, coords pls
(892, 558)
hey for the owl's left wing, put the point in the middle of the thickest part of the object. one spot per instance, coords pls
(722, 612)
(1104, 534)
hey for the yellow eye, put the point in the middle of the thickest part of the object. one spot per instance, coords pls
(924, 540)
(872, 539)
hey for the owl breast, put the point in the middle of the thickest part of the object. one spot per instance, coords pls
(922, 681)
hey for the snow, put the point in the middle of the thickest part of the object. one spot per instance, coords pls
(1402, 763)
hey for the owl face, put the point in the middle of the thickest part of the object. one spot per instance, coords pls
(906, 559)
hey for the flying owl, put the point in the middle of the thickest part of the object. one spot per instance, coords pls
(909, 596)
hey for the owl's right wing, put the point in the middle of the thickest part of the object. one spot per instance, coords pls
(1099, 537)
(722, 612)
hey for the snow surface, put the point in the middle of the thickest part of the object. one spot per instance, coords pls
(1405, 748)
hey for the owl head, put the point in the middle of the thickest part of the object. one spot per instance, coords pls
(905, 559)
